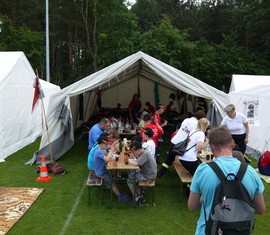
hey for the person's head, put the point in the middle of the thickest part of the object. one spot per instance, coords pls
(161, 108)
(147, 117)
(171, 103)
(230, 110)
(104, 124)
(136, 148)
(203, 123)
(239, 155)
(143, 113)
(103, 141)
(148, 132)
(136, 138)
(220, 138)
(147, 103)
(135, 97)
(199, 114)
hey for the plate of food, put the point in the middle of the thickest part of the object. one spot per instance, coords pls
(132, 161)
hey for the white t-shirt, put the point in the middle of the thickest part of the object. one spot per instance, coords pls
(236, 124)
(191, 155)
(187, 126)
(150, 146)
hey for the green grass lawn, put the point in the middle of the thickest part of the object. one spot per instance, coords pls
(63, 206)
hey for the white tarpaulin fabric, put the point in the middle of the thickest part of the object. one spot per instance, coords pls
(254, 103)
(19, 126)
(242, 82)
(134, 67)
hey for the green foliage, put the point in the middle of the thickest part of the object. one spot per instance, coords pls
(22, 39)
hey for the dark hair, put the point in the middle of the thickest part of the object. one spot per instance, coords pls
(102, 139)
(135, 145)
(149, 132)
(136, 138)
(146, 117)
(199, 114)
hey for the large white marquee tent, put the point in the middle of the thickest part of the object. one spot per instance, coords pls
(251, 96)
(19, 126)
(63, 109)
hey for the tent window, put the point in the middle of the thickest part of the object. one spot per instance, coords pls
(251, 111)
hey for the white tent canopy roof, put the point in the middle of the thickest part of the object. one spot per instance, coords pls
(138, 64)
(243, 82)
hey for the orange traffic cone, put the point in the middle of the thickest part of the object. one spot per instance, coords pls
(43, 177)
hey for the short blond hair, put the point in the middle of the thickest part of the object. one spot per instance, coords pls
(203, 122)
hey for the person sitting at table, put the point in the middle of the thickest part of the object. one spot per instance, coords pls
(197, 142)
(150, 108)
(149, 144)
(141, 123)
(147, 171)
(90, 159)
(153, 124)
(96, 130)
(100, 160)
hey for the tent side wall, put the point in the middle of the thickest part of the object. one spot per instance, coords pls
(255, 107)
(19, 126)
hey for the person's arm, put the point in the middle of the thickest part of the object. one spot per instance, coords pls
(194, 201)
(160, 130)
(247, 131)
(259, 204)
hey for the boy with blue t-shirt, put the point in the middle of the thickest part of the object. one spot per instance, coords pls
(100, 159)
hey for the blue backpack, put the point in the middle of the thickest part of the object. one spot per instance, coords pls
(233, 210)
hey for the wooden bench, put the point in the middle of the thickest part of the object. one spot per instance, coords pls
(183, 174)
(149, 184)
(94, 182)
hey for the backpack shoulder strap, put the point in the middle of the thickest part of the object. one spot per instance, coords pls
(241, 172)
(192, 133)
(217, 170)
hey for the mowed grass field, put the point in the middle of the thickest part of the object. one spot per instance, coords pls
(63, 206)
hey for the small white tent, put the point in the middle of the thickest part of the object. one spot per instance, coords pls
(242, 82)
(19, 126)
(254, 103)
(64, 105)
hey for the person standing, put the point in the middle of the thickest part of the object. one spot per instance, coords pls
(96, 131)
(237, 123)
(187, 126)
(157, 117)
(205, 181)
(134, 106)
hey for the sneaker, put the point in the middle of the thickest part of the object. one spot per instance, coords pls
(123, 198)
(140, 199)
